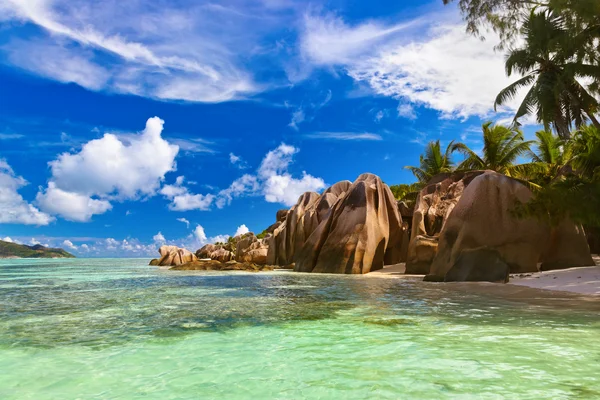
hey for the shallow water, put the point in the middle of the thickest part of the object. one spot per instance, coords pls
(118, 329)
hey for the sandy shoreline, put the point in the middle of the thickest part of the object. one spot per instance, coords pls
(583, 280)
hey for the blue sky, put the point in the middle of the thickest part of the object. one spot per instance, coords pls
(125, 125)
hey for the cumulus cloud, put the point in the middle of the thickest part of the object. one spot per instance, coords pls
(241, 230)
(199, 234)
(8, 239)
(13, 208)
(182, 200)
(279, 186)
(69, 245)
(111, 168)
(159, 238)
(71, 206)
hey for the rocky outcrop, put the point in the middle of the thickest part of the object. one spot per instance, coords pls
(214, 265)
(222, 253)
(481, 235)
(568, 248)
(300, 222)
(250, 249)
(433, 205)
(359, 232)
(468, 267)
(173, 256)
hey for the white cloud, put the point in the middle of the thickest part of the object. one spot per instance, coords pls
(420, 62)
(328, 40)
(10, 136)
(237, 161)
(8, 239)
(182, 200)
(13, 208)
(406, 111)
(185, 221)
(297, 118)
(187, 202)
(84, 247)
(69, 245)
(200, 235)
(241, 230)
(110, 168)
(286, 190)
(272, 180)
(343, 136)
(176, 51)
(71, 206)
(159, 238)
(246, 184)
(448, 71)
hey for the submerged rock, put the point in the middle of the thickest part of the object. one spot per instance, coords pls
(214, 265)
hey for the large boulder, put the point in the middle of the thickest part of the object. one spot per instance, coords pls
(483, 226)
(433, 205)
(300, 222)
(250, 249)
(216, 252)
(173, 256)
(359, 233)
(568, 248)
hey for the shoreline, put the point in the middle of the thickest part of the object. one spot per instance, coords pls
(579, 280)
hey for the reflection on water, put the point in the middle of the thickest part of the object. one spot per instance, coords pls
(238, 335)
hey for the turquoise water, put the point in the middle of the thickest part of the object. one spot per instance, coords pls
(118, 329)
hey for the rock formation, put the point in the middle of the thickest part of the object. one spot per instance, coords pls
(219, 252)
(361, 232)
(300, 222)
(480, 235)
(214, 265)
(250, 249)
(173, 256)
(434, 204)
(351, 228)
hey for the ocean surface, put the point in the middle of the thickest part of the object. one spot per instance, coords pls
(119, 329)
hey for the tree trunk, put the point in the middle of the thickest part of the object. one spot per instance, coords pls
(594, 120)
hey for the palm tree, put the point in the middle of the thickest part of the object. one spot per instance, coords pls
(548, 64)
(552, 152)
(502, 147)
(433, 162)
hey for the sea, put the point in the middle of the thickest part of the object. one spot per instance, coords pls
(120, 329)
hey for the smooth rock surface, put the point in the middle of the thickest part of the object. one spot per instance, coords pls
(173, 256)
(359, 234)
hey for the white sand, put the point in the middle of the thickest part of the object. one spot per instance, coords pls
(584, 280)
(393, 271)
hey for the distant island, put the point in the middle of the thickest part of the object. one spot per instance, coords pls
(14, 250)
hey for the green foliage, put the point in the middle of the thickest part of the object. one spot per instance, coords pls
(433, 162)
(574, 192)
(502, 147)
(550, 68)
(8, 249)
(404, 192)
(262, 235)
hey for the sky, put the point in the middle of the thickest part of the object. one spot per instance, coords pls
(128, 125)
